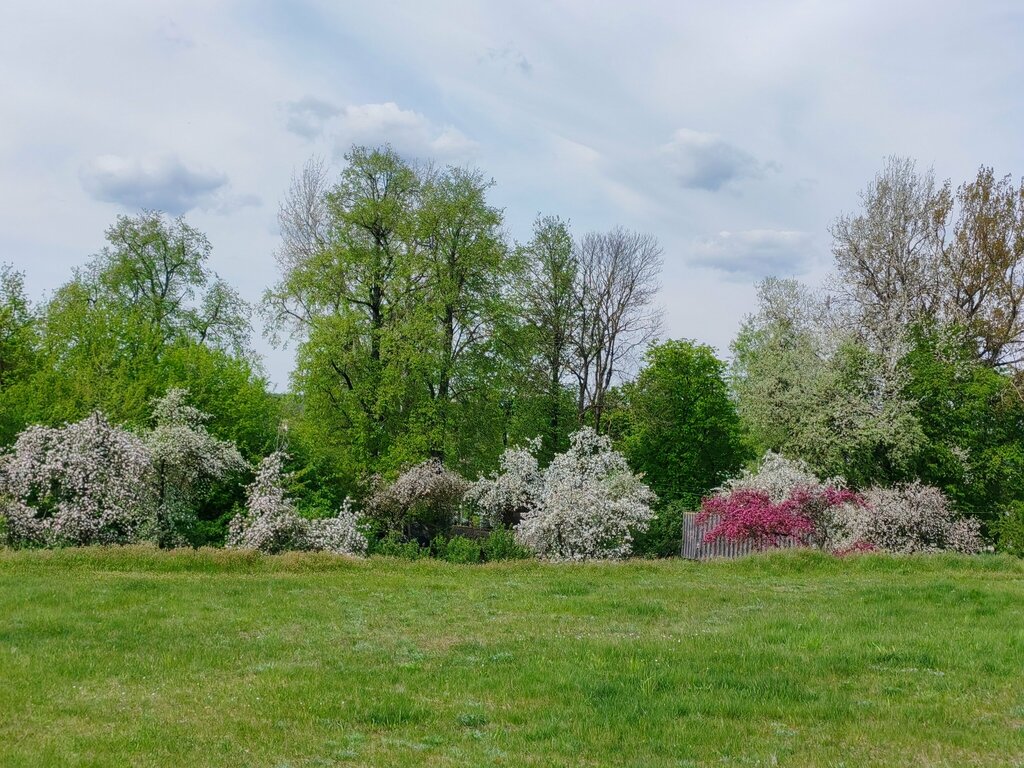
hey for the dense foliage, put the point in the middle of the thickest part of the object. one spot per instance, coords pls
(431, 349)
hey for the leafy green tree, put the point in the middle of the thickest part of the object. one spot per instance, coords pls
(19, 351)
(467, 271)
(682, 432)
(972, 417)
(546, 297)
(143, 315)
(350, 277)
(811, 390)
(394, 281)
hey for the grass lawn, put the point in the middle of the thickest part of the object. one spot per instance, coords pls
(142, 658)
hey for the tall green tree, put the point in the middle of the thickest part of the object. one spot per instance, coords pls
(546, 297)
(350, 278)
(145, 314)
(683, 431)
(19, 351)
(972, 417)
(809, 388)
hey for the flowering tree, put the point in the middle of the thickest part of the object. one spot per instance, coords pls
(80, 484)
(751, 515)
(910, 518)
(588, 504)
(514, 489)
(782, 499)
(271, 523)
(423, 499)
(188, 461)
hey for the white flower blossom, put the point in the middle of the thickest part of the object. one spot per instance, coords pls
(188, 461)
(271, 523)
(84, 483)
(587, 504)
(910, 518)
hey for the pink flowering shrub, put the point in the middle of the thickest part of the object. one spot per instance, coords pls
(751, 515)
(84, 483)
(782, 499)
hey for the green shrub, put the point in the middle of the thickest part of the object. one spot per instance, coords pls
(1009, 529)
(501, 544)
(664, 537)
(458, 549)
(393, 545)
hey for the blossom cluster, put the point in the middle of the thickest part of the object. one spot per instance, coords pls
(587, 504)
(908, 518)
(783, 499)
(271, 522)
(84, 483)
(506, 495)
(426, 495)
(188, 461)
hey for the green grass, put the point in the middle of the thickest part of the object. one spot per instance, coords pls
(141, 658)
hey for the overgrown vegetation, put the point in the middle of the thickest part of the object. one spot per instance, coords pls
(445, 376)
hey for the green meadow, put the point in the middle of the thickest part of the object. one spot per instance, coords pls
(118, 657)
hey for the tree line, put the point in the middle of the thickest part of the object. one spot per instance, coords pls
(421, 332)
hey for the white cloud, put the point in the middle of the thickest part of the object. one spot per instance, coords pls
(308, 116)
(162, 183)
(409, 132)
(707, 161)
(755, 253)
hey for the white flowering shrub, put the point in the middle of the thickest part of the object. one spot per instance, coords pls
(778, 476)
(339, 534)
(271, 522)
(588, 504)
(423, 500)
(514, 489)
(909, 518)
(84, 483)
(188, 462)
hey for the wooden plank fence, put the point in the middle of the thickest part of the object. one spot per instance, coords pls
(695, 548)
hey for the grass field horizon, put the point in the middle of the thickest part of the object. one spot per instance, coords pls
(214, 658)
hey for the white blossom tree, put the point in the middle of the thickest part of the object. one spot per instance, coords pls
(587, 504)
(271, 522)
(84, 483)
(423, 500)
(188, 462)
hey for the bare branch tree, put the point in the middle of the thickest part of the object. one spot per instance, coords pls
(889, 256)
(617, 281)
(985, 264)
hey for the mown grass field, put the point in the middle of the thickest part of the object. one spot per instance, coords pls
(142, 658)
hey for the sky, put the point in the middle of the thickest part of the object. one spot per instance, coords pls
(734, 132)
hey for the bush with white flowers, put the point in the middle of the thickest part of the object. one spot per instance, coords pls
(908, 518)
(84, 483)
(505, 496)
(271, 522)
(188, 462)
(586, 505)
(423, 500)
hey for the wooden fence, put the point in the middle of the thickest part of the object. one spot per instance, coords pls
(695, 548)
